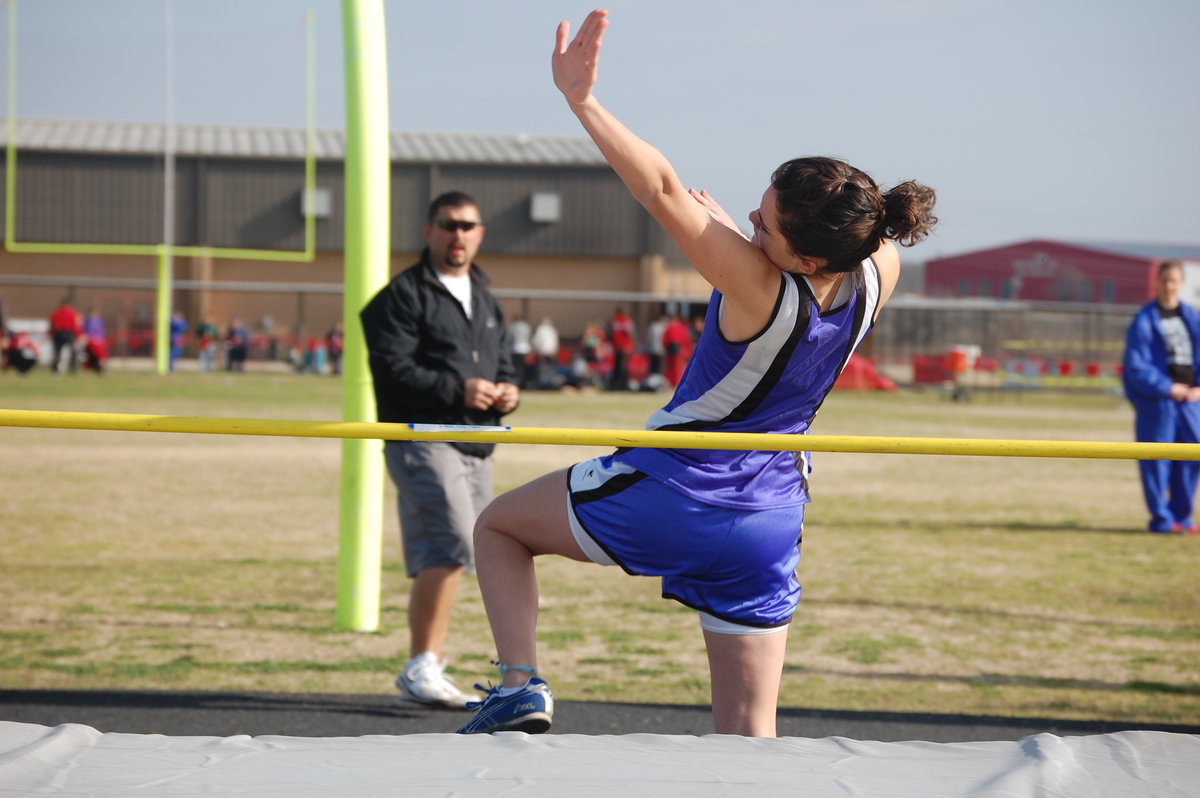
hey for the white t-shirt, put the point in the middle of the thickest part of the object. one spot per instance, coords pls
(521, 334)
(460, 288)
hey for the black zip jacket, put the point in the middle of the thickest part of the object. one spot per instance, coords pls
(423, 348)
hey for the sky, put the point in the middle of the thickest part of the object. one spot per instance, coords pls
(1065, 119)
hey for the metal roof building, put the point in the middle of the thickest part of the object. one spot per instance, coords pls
(102, 182)
(558, 218)
(251, 142)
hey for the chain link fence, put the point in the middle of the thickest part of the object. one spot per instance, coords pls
(1000, 344)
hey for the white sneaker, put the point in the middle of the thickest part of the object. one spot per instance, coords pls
(423, 681)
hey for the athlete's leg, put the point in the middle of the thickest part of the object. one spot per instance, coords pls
(516, 527)
(745, 671)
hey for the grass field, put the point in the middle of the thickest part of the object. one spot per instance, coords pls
(1006, 586)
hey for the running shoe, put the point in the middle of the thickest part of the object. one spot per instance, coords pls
(423, 682)
(526, 709)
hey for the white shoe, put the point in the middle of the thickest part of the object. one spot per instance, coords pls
(423, 681)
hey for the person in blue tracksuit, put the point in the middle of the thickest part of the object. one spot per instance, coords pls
(1162, 360)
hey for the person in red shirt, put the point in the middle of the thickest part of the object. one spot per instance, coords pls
(621, 335)
(677, 346)
(20, 353)
(64, 331)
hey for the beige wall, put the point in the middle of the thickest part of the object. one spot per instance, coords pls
(134, 307)
(37, 302)
(563, 274)
(630, 275)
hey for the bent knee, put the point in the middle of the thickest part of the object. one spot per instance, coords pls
(502, 515)
(487, 520)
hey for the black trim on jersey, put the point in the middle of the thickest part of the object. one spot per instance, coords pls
(571, 496)
(860, 314)
(878, 289)
(726, 618)
(774, 312)
(796, 461)
(770, 377)
(610, 488)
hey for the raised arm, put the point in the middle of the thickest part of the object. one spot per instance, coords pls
(749, 281)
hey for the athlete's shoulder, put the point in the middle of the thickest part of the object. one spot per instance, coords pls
(885, 263)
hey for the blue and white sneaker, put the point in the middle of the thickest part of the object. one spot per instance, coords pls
(526, 709)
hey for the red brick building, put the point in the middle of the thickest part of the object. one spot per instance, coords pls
(1059, 271)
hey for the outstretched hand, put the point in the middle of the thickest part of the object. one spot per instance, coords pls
(575, 65)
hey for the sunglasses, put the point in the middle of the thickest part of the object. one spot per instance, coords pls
(452, 225)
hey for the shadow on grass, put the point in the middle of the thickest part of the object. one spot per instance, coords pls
(1134, 628)
(1025, 526)
(999, 526)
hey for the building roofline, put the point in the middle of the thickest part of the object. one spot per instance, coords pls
(1132, 250)
(231, 141)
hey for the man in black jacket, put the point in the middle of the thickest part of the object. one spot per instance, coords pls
(439, 354)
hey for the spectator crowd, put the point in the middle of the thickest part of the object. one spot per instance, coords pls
(607, 355)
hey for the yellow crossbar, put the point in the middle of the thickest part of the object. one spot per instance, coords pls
(123, 422)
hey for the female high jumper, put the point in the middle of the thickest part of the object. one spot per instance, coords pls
(721, 528)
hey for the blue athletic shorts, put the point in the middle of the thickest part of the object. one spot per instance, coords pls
(738, 566)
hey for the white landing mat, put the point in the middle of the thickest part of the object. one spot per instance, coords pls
(76, 760)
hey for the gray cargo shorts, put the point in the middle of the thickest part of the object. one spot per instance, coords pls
(440, 492)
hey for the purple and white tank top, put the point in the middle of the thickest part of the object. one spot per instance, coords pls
(773, 383)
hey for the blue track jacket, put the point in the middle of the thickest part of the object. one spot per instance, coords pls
(1145, 374)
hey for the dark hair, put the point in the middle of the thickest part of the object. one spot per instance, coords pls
(449, 199)
(830, 210)
(1167, 265)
